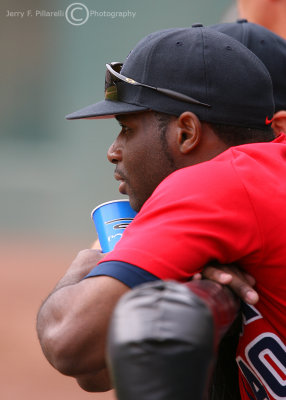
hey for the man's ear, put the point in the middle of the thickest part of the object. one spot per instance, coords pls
(189, 130)
(279, 122)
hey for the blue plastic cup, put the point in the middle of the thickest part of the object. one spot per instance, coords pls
(110, 220)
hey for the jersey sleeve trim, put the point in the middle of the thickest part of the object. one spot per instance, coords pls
(128, 274)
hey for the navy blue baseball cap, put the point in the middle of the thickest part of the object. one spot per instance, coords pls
(269, 48)
(188, 69)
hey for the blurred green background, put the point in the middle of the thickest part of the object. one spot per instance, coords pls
(53, 171)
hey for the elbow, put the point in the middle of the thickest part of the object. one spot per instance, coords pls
(64, 360)
(69, 355)
(54, 341)
(58, 353)
(72, 341)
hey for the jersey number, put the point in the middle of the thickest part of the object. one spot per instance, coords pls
(266, 355)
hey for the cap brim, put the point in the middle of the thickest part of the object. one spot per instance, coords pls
(105, 109)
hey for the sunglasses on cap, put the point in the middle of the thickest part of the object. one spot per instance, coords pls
(113, 76)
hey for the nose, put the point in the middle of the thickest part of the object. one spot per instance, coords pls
(114, 153)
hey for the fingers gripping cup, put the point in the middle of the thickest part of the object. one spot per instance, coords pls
(110, 220)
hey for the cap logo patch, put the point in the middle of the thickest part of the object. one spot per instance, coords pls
(268, 121)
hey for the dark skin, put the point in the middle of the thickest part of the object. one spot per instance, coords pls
(141, 162)
(137, 154)
(73, 322)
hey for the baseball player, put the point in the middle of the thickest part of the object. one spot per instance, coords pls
(268, 13)
(200, 163)
(271, 50)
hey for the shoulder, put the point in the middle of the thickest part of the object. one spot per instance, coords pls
(229, 169)
(206, 178)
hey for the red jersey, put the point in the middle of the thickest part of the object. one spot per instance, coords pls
(229, 209)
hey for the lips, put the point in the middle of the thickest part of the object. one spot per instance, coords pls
(122, 183)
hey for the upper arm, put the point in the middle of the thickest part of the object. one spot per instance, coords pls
(79, 317)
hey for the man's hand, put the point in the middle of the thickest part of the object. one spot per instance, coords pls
(84, 262)
(239, 281)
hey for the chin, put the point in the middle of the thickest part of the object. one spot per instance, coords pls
(135, 204)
